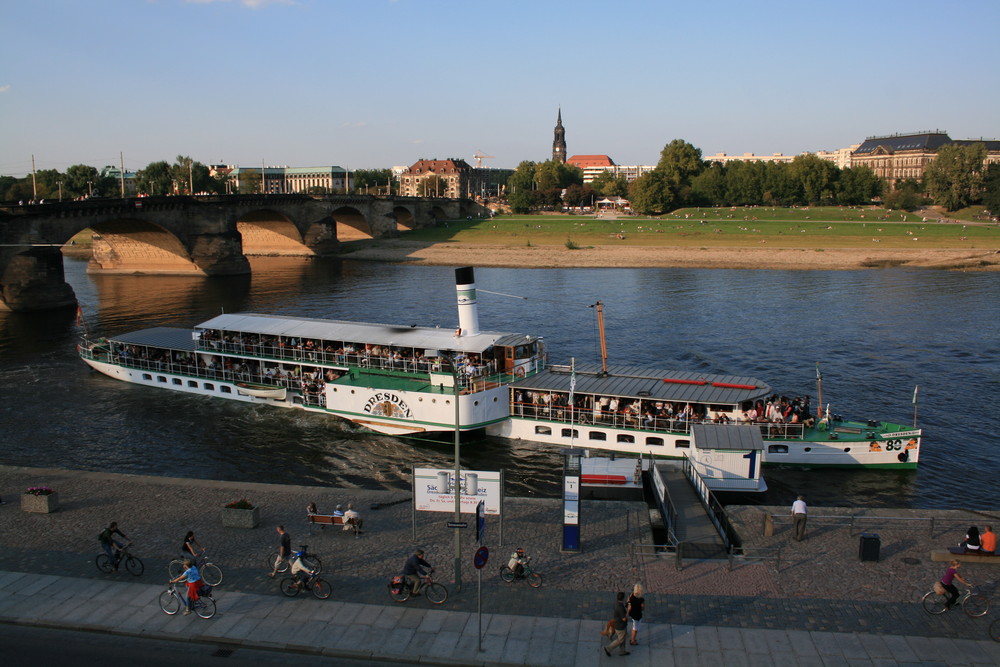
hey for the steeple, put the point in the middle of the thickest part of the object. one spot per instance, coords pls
(559, 140)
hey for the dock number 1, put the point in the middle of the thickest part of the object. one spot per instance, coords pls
(752, 455)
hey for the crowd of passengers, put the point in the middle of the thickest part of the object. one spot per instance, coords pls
(309, 380)
(364, 355)
(653, 414)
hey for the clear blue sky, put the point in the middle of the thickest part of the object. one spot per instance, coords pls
(376, 83)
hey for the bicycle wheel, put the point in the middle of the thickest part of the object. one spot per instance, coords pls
(211, 574)
(322, 589)
(506, 574)
(995, 630)
(535, 580)
(399, 593)
(169, 603)
(976, 605)
(103, 563)
(134, 566)
(934, 603)
(290, 587)
(272, 558)
(205, 607)
(313, 562)
(175, 568)
(435, 593)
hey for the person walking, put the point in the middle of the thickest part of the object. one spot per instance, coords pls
(619, 615)
(799, 518)
(284, 549)
(636, 603)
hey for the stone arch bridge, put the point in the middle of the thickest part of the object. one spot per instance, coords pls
(204, 235)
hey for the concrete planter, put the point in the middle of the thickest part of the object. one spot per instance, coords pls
(40, 504)
(233, 518)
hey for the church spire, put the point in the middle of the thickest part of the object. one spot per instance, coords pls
(559, 140)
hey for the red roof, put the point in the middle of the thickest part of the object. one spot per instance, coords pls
(584, 161)
(449, 166)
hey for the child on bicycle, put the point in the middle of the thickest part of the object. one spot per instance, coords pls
(517, 561)
(300, 571)
(193, 579)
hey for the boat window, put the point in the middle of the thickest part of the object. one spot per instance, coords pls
(225, 390)
(209, 386)
(570, 433)
(625, 438)
(177, 381)
(192, 383)
(598, 435)
(808, 449)
(683, 444)
(147, 376)
(777, 449)
(543, 430)
(655, 441)
(160, 378)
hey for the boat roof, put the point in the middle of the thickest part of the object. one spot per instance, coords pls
(648, 383)
(427, 338)
(726, 436)
(168, 337)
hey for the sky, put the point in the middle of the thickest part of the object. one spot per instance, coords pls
(367, 84)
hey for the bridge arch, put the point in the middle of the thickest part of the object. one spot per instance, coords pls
(127, 245)
(267, 232)
(405, 220)
(351, 224)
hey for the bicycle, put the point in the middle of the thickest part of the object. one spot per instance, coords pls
(132, 563)
(172, 599)
(210, 573)
(974, 604)
(533, 578)
(310, 561)
(400, 589)
(320, 588)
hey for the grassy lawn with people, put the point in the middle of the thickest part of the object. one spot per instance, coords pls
(738, 227)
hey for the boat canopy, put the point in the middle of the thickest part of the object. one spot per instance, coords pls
(726, 436)
(164, 337)
(420, 338)
(648, 383)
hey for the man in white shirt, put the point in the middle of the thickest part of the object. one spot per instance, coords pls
(799, 518)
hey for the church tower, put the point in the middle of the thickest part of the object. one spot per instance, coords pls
(559, 140)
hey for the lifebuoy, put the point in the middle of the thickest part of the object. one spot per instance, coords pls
(519, 372)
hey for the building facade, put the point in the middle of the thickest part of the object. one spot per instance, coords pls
(898, 157)
(451, 178)
(285, 180)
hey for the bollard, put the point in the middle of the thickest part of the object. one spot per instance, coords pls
(768, 525)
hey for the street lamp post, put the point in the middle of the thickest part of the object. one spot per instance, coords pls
(457, 485)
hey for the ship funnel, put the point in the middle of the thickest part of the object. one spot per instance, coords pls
(468, 311)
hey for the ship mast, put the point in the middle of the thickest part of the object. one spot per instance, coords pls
(604, 343)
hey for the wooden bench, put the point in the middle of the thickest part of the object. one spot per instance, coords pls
(324, 520)
(943, 556)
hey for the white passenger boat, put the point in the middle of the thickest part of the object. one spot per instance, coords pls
(410, 380)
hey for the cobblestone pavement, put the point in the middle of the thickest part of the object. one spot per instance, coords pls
(818, 585)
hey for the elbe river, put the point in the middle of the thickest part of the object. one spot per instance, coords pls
(875, 333)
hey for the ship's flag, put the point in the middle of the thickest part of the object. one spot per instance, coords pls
(572, 379)
(79, 315)
(915, 389)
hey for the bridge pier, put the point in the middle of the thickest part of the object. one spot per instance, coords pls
(34, 281)
(219, 254)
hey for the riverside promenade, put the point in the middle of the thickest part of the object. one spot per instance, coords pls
(816, 605)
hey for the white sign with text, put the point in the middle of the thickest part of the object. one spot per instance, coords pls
(434, 490)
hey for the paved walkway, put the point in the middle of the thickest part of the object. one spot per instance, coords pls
(817, 605)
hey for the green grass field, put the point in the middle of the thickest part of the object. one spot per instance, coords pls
(819, 227)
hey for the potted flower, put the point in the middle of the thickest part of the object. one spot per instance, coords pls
(241, 514)
(39, 499)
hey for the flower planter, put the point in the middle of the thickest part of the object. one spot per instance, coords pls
(41, 504)
(237, 518)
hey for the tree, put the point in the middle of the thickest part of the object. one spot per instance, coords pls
(816, 178)
(579, 195)
(190, 177)
(6, 183)
(991, 189)
(371, 181)
(651, 193)
(250, 182)
(858, 185)
(79, 180)
(955, 178)
(155, 179)
(709, 187)
(679, 164)
(608, 184)
(905, 196)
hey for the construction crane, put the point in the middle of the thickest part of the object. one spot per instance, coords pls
(480, 157)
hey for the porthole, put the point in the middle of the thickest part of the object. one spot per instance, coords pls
(683, 444)
(177, 381)
(543, 430)
(192, 383)
(626, 438)
(847, 449)
(147, 376)
(777, 449)
(474, 403)
(160, 378)
(209, 386)
(225, 390)
(570, 433)
(808, 449)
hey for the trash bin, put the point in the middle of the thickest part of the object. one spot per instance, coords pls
(869, 547)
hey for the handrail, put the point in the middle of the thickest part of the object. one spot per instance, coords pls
(853, 519)
(716, 511)
(757, 554)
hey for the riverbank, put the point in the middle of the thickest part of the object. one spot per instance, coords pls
(625, 256)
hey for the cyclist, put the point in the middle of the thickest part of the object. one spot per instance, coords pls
(949, 575)
(191, 548)
(517, 562)
(413, 570)
(112, 547)
(193, 579)
(300, 571)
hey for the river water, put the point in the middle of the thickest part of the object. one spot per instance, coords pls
(876, 334)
